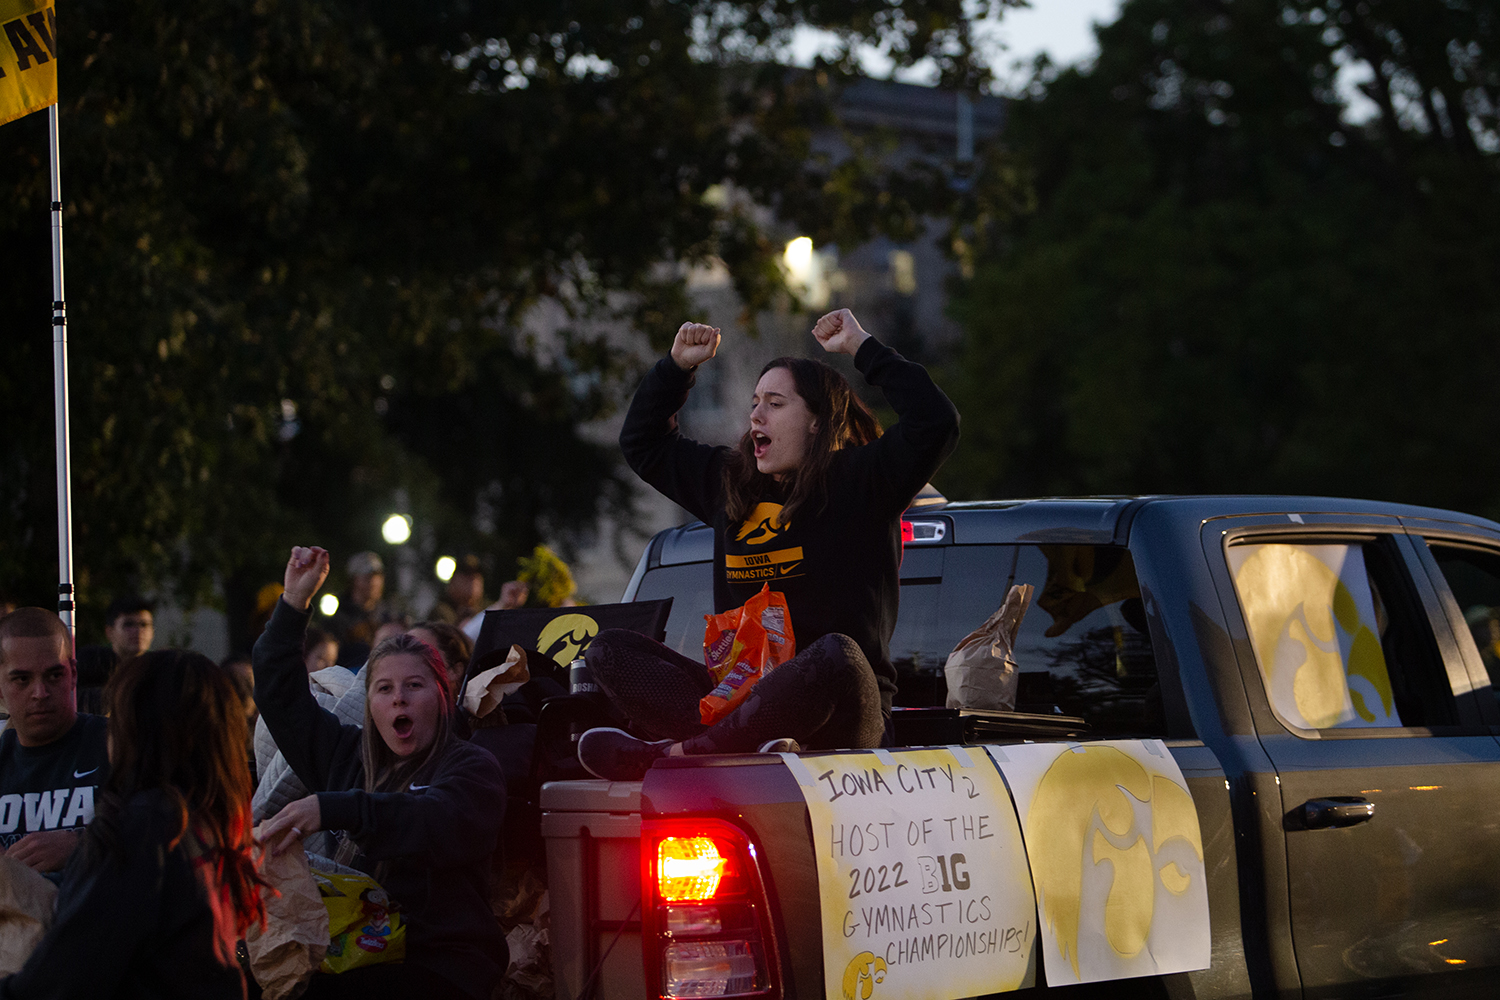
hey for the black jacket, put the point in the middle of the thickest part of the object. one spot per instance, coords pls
(137, 926)
(438, 839)
(839, 567)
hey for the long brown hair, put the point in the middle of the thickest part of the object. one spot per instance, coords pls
(177, 725)
(384, 771)
(843, 420)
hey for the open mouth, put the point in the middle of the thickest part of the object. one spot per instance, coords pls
(761, 442)
(402, 726)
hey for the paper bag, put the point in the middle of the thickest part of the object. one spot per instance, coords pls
(483, 694)
(981, 670)
(284, 956)
(740, 647)
(26, 901)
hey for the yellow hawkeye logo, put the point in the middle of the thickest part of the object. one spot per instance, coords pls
(863, 972)
(566, 637)
(1099, 805)
(762, 525)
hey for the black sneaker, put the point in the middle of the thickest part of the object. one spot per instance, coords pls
(784, 745)
(615, 755)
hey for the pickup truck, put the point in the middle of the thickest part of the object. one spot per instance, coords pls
(1323, 672)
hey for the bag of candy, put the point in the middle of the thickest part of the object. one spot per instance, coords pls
(741, 646)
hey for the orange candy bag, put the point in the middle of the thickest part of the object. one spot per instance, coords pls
(741, 646)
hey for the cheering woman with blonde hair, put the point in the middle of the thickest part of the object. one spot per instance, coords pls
(420, 808)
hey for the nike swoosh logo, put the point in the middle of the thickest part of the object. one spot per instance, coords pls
(81, 774)
(418, 788)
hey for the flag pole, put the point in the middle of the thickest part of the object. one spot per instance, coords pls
(65, 592)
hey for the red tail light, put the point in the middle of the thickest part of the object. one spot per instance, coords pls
(705, 913)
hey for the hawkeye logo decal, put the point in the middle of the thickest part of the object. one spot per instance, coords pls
(861, 976)
(1117, 858)
(566, 637)
(758, 529)
(762, 525)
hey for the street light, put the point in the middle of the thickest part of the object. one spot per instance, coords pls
(396, 529)
(329, 605)
(810, 273)
(446, 565)
(799, 260)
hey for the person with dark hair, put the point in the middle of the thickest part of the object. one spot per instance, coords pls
(319, 650)
(463, 597)
(362, 609)
(239, 668)
(52, 758)
(810, 502)
(129, 628)
(450, 641)
(421, 808)
(163, 884)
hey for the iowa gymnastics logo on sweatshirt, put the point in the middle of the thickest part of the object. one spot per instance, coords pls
(753, 561)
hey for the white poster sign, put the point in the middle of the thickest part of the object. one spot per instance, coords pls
(1117, 858)
(922, 876)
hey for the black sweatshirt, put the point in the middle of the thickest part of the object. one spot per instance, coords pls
(136, 926)
(52, 787)
(839, 568)
(438, 838)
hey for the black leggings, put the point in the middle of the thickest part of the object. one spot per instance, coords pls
(825, 697)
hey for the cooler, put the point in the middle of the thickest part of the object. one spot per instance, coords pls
(592, 830)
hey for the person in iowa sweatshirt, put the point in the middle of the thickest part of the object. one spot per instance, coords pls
(162, 884)
(422, 809)
(809, 503)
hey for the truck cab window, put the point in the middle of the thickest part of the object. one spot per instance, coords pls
(1340, 640)
(1083, 648)
(1474, 577)
(691, 587)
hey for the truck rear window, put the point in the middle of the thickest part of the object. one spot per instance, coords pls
(1083, 648)
(690, 585)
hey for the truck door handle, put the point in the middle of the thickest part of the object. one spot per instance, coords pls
(1336, 811)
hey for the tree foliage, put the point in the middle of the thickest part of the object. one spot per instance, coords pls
(302, 237)
(1232, 280)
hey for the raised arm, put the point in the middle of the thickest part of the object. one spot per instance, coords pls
(310, 738)
(682, 470)
(906, 456)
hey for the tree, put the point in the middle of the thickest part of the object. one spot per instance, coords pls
(1230, 282)
(302, 240)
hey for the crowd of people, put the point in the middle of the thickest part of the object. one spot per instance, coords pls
(134, 778)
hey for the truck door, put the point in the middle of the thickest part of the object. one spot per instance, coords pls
(1387, 770)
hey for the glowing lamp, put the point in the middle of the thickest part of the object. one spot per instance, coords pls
(446, 565)
(396, 529)
(688, 869)
(328, 605)
(799, 259)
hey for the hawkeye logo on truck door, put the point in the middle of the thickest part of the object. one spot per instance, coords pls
(752, 563)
